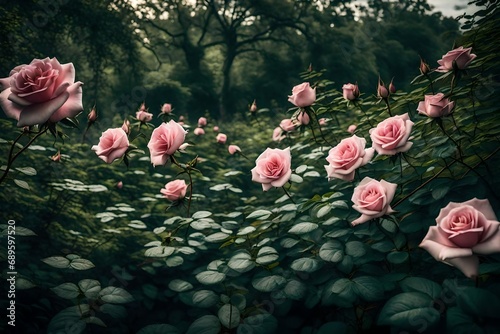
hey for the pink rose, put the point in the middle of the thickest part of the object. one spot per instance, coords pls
(126, 126)
(302, 95)
(273, 168)
(435, 106)
(464, 230)
(287, 125)
(350, 91)
(391, 136)
(42, 91)
(174, 190)
(143, 116)
(92, 116)
(202, 121)
(278, 134)
(346, 157)
(303, 118)
(372, 199)
(112, 145)
(199, 131)
(119, 184)
(322, 121)
(382, 91)
(253, 107)
(352, 128)
(460, 56)
(221, 138)
(166, 108)
(233, 149)
(165, 140)
(216, 128)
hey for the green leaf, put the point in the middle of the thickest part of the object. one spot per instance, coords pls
(336, 327)
(115, 295)
(90, 288)
(302, 228)
(241, 262)
(260, 214)
(205, 298)
(81, 264)
(159, 251)
(57, 262)
(355, 248)
(23, 283)
(410, 311)
(27, 170)
(263, 323)
(246, 230)
(295, 290)
(341, 292)
(201, 214)
(324, 210)
(332, 251)
(268, 283)
(217, 237)
(66, 290)
(420, 284)
(229, 316)
(210, 277)
(207, 324)
(22, 184)
(368, 288)
(305, 264)
(397, 257)
(69, 320)
(179, 285)
(479, 302)
(267, 255)
(458, 322)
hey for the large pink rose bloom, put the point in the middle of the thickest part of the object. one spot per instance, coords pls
(273, 168)
(346, 157)
(435, 106)
(112, 145)
(42, 91)
(165, 140)
(372, 199)
(391, 136)
(302, 95)
(461, 56)
(174, 190)
(464, 230)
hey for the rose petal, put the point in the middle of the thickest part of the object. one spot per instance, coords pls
(39, 113)
(492, 243)
(11, 109)
(73, 105)
(468, 265)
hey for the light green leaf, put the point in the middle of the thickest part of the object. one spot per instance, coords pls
(302, 228)
(246, 230)
(305, 264)
(229, 316)
(201, 214)
(217, 237)
(115, 295)
(241, 262)
(66, 290)
(90, 288)
(210, 277)
(159, 251)
(22, 184)
(205, 298)
(268, 283)
(420, 284)
(57, 262)
(81, 264)
(267, 255)
(179, 285)
(260, 214)
(207, 324)
(332, 251)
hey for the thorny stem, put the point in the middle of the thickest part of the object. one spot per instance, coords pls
(12, 158)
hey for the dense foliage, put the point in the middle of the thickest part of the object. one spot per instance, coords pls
(98, 248)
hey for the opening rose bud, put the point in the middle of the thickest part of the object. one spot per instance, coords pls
(350, 91)
(435, 106)
(199, 131)
(175, 190)
(166, 108)
(253, 107)
(221, 138)
(112, 145)
(202, 121)
(458, 58)
(303, 95)
(233, 149)
(287, 125)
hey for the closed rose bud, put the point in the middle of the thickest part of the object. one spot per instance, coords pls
(181, 118)
(92, 116)
(303, 118)
(143, 107)
(216, 128)
(126, 126)
(424, 67)
(199, 131)
(382, 91)
(322, 121)
(119, 185)
(202, 121)
(166, 108)
(350, 91)
(351, 128)
(183, 147)
(221, 138)
(144, 116)
(278, 134)
(56, 157)
(392, 88)
(253, 107)
(287, 125)
(233, 149)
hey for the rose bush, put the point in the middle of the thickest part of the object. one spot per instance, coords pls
(303, 95)
(273, 168)
(464, 231)
(174, 190)
(372, 199)
(346, 157)
(112, 145)
(165, 140)
(41, 91)
(435, 105)
(391, 135)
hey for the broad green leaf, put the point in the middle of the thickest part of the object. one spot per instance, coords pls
(239, 301)
(116, 311)
(268, 283)
(324, 210)
(205, 298)
(368, 288)
(260, 214)
(479, 302)
(57, 262)
(355, 248)
(229, 316)
(201, 214)
(210, 277)
(397, 257)
(267, 255)
(115, 295)
(408, 310)
(246, 230)
(23, 283)
(332, 251)
(179, 285)
(69, 320)
(81, 264)
(241, 262)
(217, 237)
(90, 288)
(22, 184)
(302, 228)
(420, 284)
(27, 170)
(305, 264)
(207, 324)
(66, 290)
(159, 251)
(159, 329)
(295, 290)
(459, 322)
(263, 323)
